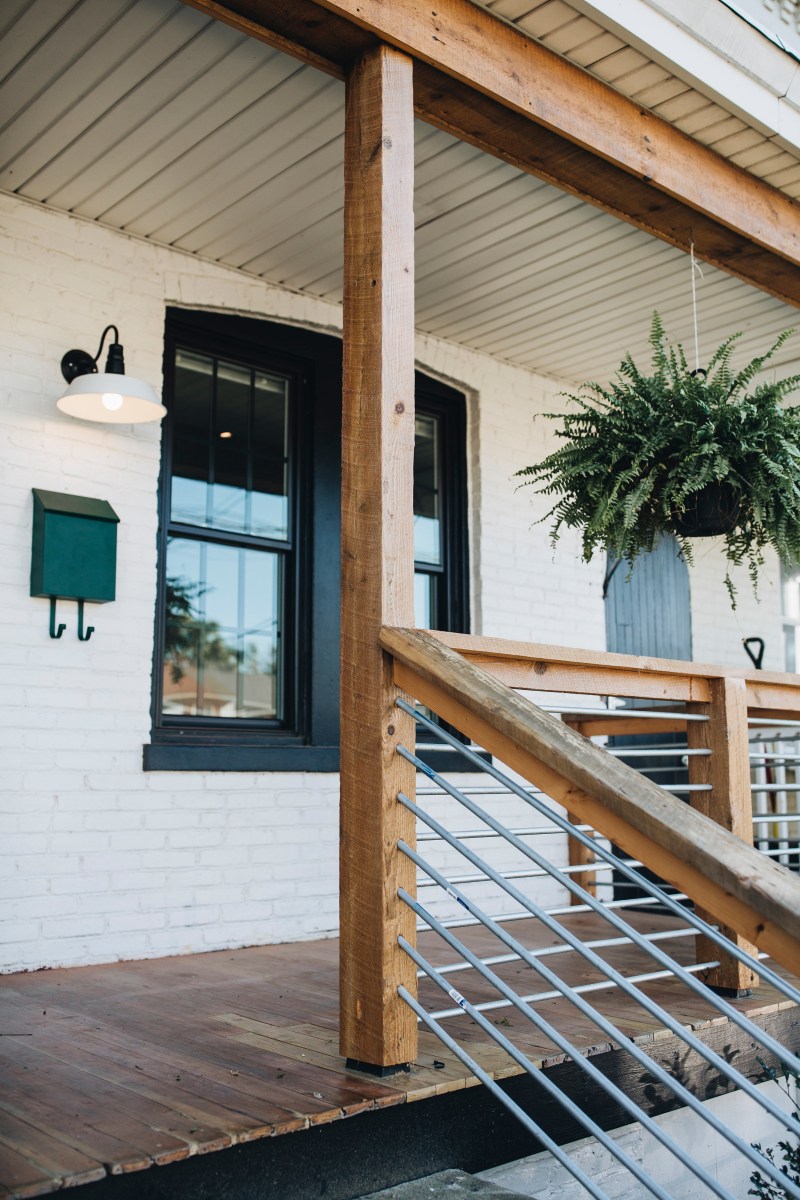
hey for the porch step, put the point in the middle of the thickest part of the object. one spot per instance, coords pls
(445, 1185)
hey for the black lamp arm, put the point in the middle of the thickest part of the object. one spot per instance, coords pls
(80, 362)
(103, 338)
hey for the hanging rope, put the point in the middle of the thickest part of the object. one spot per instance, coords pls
(695, 268)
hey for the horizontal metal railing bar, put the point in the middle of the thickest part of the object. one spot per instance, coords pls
(487, 1081)
(565, 910)
(772, 723)
(581, 869)
(654, 714)
(548, 951)
(655, 752)
(533, 831)
(615, 1035)
(574, 1110)
(685, 787)
(580, 989)
(650, 1006)
(774, 818)
(772, 788)
(597, 847)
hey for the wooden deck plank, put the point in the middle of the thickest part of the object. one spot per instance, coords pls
(117, 1067)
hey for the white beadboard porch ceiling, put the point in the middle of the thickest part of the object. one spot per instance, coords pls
(146, 116)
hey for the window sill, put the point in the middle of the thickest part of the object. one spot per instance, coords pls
(169, 757)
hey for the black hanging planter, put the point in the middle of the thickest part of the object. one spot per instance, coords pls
(711, 512)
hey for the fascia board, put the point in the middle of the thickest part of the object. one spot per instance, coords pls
(714, 50)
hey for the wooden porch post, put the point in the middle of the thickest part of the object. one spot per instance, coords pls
(729, 803)
(377, 1029)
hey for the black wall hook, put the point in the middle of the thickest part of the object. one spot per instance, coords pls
(756, 657)
(55, 633)
(83, 637)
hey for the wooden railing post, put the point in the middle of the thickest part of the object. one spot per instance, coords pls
(729, 802)
(378, 1030)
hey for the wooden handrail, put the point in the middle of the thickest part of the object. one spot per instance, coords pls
(726, 878)
(543, 668)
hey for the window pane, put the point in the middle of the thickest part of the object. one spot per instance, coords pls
(427, 525)
(191, 422)
(424, 600)
(221, 656)
(270, 506)
(229, 469)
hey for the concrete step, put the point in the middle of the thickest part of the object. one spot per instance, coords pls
(445, 1185)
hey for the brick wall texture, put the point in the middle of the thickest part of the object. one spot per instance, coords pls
(98, 859)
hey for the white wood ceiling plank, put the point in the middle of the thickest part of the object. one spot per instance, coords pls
(230, 163)
(73, 103)
(436, 198)
(456, 157)
(488, 291)
(24, 25)
(609, 288)
(731, 145)
(575, 33)
(648, 75)
(70, 176)
(681, 106)
(619, 64)
(512, 10)
(633, 311)
(559, 287)
(760, 333)
(57, 50)
(506, 211)
(290, 225)
(488, 296)
(701, 118)
(657, 93)
(784, 177)
(492, 258)
(545, 19)
(595, 50)
(166, 162)
(268, 190)
(298, 259)
(711, 135)
(763, 157)
(428, 142)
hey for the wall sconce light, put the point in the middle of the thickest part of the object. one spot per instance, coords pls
(110, 396)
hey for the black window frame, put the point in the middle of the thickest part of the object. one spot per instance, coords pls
(313, 361)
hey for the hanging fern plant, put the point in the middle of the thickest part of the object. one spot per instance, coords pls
(637, 454)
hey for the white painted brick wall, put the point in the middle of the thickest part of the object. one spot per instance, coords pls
(99, 860)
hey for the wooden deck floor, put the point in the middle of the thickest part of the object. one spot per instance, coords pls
(111, 1069)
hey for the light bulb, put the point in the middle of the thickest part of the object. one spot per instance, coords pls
(112, 401)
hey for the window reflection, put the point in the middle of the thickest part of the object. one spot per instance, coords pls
(427, 525)
(221, 645)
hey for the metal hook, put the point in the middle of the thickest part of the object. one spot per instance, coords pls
(83, 637)
(757, 657)
(55, 633)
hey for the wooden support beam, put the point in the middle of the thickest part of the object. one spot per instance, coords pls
(729, 803)
(486, 82)
(740, 887)
(532, 666)
(377, 1028)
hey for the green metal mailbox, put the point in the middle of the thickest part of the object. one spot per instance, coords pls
(74, 555)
